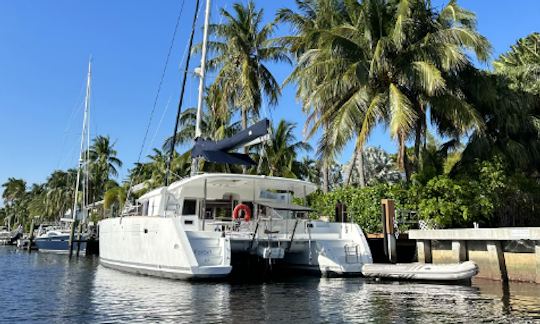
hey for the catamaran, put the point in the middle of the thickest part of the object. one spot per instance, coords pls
(198, 227)
(204, 225)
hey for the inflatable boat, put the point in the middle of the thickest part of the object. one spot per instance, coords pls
(422, 271)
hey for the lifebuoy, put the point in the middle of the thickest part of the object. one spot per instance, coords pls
(243, 207)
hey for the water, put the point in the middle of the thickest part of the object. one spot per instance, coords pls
(48, 288)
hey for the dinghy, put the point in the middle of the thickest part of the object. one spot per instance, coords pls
(422, 271)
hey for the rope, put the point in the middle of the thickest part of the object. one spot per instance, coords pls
(166, 64)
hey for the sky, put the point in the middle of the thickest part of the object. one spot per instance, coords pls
(45, 47)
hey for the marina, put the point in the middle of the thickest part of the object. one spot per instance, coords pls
(332, 161)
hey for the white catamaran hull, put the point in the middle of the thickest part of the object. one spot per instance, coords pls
(326, 248)
(335, 249)
(160, 246)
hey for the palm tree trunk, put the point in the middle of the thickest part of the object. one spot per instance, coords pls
(403, 161)
(325, 172)
(351, 169)
(357, 156)
(361, 177)
(325, 166)
(418, 139)
(424, 131)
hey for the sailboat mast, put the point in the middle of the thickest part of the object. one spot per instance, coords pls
(86, 200)
(83, 135)
(181, 100)
(198, 133)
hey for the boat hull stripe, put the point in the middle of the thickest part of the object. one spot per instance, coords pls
(144, 265)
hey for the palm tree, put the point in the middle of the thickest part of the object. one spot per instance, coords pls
(279, 156)
(512, 129)
(60, 187)
(140, 173)
(389, 62)
(153, 172)
(307, 169)
(521, 65)
(437, 159)
(37, 201)
(214, 126)
(242, 47)
(14, 190)
(158, 162)
(114, 199)
(14, 198)
(103, 155)
(373, 166)
(314, 19)
(103, 164)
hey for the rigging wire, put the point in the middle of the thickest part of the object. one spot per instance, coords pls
(180, 102)
(77, 108)
(166, 64)
(152, 141)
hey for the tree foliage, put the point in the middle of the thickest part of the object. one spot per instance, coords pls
(521, 65)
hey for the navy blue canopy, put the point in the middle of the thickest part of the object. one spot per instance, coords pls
(218, 151)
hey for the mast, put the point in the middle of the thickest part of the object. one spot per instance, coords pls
(82, 153)
(83, 135)
(195, 164)
(180, 101)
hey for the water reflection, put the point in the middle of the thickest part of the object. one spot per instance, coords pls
(51, 288)
(519, 299)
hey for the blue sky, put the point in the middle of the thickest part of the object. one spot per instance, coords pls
(43, 60)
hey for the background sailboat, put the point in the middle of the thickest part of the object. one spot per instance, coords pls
(60, 240)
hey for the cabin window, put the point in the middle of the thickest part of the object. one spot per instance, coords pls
(189, 207)
(302, 214)
(218, 209)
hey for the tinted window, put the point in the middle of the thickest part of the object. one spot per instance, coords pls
(189, 207)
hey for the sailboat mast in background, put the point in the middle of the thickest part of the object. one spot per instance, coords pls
(82, 153)
(84, 134)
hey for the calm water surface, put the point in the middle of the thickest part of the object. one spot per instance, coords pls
(48, 288)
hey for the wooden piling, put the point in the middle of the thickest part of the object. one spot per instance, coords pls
(423, 249)
(388, 216)
(31, 236)
(79, 232)
(71, 235)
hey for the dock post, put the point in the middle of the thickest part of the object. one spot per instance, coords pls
(423, 249)
(31, 236)
(459, 251)
(71, 235)
(79, 231)
(388, 216)
(537, 252)
(496, 260)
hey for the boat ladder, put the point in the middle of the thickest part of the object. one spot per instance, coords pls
(351, 253)
(292, 235)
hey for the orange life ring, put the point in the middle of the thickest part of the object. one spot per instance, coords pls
(244, 208)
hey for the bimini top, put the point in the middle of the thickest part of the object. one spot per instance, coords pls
(240, 186)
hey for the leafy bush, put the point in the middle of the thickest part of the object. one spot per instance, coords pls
(486, 194)
(363, 204)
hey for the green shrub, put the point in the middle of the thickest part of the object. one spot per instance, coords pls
(486, 193)
(363, 204)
